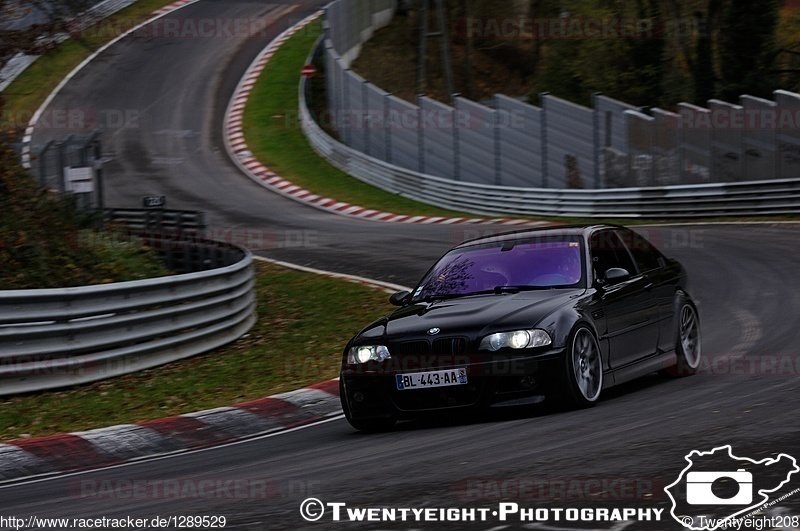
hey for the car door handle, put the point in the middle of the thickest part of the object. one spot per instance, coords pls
(648, 286)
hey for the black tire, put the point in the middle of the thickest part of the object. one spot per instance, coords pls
(583, 369)
(688, 347)
(365, 425)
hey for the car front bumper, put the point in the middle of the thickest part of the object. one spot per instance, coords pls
(371, 391)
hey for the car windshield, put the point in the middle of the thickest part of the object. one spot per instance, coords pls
(506, 266)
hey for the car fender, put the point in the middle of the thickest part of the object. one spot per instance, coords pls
(560, 324)
(375, 331)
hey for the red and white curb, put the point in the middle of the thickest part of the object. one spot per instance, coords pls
(237, 148)
(70, 452)
(169, 9)
(76, 451)
(26, 139)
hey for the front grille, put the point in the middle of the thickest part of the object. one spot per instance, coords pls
(410, 348)
(453, 346)
(423, 354)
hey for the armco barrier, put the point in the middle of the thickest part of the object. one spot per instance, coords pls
(558, 144)
(148, 219)
(58, 337)
(780, 196)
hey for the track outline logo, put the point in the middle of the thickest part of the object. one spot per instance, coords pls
(699, 491)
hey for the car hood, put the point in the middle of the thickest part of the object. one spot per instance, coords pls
(478, 314)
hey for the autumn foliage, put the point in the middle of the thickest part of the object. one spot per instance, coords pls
(46, 242)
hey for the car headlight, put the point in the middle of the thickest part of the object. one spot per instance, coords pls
(517, 339)
(365, 353)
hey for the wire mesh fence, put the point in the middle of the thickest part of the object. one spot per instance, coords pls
(72, 166)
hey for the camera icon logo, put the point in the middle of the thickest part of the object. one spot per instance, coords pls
(699, 488)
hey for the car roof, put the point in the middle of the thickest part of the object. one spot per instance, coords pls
(544, 231)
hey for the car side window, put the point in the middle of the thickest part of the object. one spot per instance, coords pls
(607, 251)
(646, 256)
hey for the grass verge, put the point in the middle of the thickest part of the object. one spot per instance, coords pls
(304, 321)
(274, 136)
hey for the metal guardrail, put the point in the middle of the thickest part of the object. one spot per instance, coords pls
(511, 158)
(146, 219)
(780, 196)
(59, 337)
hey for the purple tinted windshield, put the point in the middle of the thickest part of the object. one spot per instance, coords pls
(523, 264)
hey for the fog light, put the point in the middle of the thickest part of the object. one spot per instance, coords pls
(527, 382)
(358, 396)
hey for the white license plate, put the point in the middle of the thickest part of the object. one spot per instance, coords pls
(426, 380)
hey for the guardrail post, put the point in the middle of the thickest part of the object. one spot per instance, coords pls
(456, 139)
(498, 178)
(681, 156)
(365, 123)
(98, 173)
(43, 163)
(388, 128)
(346, 107)
(202, 220)
(543, 124)
(62, 178)
(420, 134)
(598, 184)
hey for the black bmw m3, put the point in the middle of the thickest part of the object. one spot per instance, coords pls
(518, 318)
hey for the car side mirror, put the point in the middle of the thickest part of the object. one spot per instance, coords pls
(400, 298)
(615, 275)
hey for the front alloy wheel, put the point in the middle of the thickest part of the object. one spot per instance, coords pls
(584, 369)
(687, 345)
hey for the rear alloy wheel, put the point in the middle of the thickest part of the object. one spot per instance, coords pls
(366, 425)
(584, 369)
(687, 343)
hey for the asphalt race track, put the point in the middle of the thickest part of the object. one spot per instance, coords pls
(620, 454)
